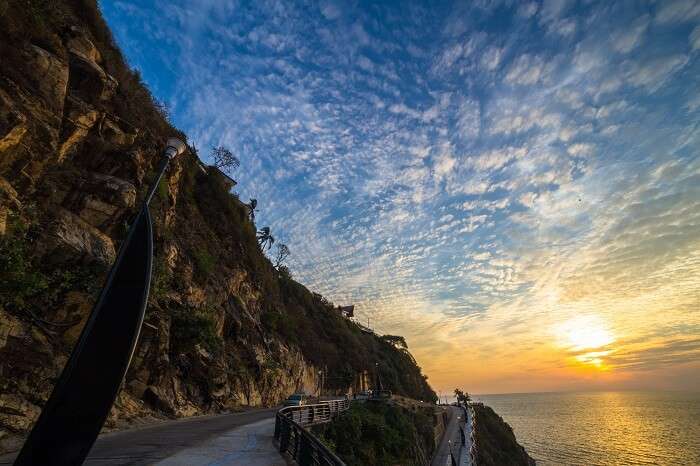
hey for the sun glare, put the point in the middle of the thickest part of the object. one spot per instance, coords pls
(588, 337)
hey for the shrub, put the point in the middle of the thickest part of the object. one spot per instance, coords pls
(204, 263)
(20, 281)
(271, 320)
(378, 434)
(189, 327)
(25, 285)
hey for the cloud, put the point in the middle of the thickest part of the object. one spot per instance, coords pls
(677, 11)
(554, 9)
(444, 165)
(457, 183)
(496, 159)
(654, 73)
(330, 10)
(527, 10)
(491, 58)
(580, 149)
(526, 70)
(695, 38)
(631, 36)
(468, 124)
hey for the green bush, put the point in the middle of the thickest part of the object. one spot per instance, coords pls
(204, 263)
(378, 434)
(26, 285)
(20, 280)
(271, 320)
(189, 327)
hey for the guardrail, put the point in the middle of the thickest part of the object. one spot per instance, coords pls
(472, 420)
(298, 442)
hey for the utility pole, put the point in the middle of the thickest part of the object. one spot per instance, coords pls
(85, 392)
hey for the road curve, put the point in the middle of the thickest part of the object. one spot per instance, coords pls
(226, 439)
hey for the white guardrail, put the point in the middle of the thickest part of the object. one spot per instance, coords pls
(300, 444)
(318, 413)
(472, 435)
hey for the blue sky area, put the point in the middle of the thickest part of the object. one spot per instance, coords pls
(463, 171)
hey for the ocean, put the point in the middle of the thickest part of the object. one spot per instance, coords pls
(604, 428)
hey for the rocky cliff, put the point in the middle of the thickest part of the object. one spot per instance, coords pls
(496, 442)
(80, 136)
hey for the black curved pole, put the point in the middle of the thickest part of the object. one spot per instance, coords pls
(83, 396)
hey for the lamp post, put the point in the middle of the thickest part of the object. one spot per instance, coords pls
(83, 396)
(320, 383)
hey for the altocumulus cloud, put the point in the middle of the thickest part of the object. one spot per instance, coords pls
(464, 172)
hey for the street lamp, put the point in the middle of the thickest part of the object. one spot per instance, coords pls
(83, 396)
(320, 381)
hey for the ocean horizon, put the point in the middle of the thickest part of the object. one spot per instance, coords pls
(632, 427)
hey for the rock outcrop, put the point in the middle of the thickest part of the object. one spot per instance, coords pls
(496, 442)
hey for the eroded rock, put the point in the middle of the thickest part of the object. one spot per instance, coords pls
(73, 235)
(88, 81)
(49, 73)
(106, 198)
(8, 201)
(78, 121)
(79, 44)
(13, 124)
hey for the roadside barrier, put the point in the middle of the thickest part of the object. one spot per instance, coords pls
(472, 420)
(300, 444)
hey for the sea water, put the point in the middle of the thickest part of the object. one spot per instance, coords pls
(604, 428)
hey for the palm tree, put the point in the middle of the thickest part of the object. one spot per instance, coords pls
(251, 208)
(265, 239)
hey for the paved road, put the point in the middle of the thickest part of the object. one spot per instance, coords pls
(450, 439)
(220, 440)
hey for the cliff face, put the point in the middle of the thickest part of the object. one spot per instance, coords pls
(496, 442)
(79, 139)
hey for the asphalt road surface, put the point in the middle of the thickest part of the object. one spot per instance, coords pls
(451, 439)
(219, 440)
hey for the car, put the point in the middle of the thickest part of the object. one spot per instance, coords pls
(297, 399)
(363, 395)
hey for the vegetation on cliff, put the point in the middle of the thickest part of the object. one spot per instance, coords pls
(496, 442)
(79, 138)
(376, 433)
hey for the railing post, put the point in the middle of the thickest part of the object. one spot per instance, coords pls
(284, 436)
(305, 454)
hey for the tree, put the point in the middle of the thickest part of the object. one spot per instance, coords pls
(462, 397)
(224, 159)
(281, 256)
(265, 239)
(284, 272)
(251, 208)
(397, 341)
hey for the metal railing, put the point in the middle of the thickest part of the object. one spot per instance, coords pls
(472, 420)
(299, 443)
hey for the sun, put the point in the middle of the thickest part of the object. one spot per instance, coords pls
(587, 338)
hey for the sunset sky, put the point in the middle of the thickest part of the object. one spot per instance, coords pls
(515, 187)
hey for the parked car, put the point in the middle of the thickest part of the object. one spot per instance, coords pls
(364, 395)
(297, 399)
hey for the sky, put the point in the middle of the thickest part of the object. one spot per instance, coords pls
(512, 186)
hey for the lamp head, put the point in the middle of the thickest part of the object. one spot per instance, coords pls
(174, 147)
